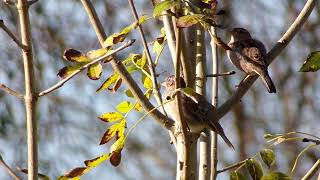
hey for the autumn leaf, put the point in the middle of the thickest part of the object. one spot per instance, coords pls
(95, 71)
(68, 70)
(111, 116)
(75, 56)
(110, 80)
(124, 106)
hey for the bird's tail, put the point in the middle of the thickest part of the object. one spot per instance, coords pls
(268, 82)
(220, 131)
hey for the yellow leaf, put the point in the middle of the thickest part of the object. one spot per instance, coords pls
(110, 133)
(75, 56)
(66, 71)
(111, 116)
(96, 161)
(95, 71)
(124, 106)
(110, 80)
(95, 54)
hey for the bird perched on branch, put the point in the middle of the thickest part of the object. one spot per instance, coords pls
(198, 113)
(249, 55)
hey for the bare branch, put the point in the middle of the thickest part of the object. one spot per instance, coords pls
(312, 171)
(221, 74)
(13, 37)
(273, 53)
(10, 91)
(232, 166)
(61, 83)
(124, 74)
(8, 169)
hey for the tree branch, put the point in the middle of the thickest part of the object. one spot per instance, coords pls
(13, 37)
(61, 83)
(30, 88)
(10, 91)
(221, 74)
(8, 169)
(124, 74)
(273, 53)
(312, 171)
(232, 166)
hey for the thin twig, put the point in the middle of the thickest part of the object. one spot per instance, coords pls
(312, 171)
(232, 166)
(149, 58)
(221, 74)
(124, 74)
(214, 135)
(30, 89)
(8, 169)
(61, 83)
(273, 53)
(13, 37)
(10, 91)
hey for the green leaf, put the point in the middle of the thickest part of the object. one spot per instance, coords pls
(111, 116)
(110, 80)
(189, 20)
(129, 93)
(254, 168)
(236, 176)
(164, 6)
(94, 71)
(276, 176)
(312, 63)
(68, 70)
(268, 157)
(124, 106)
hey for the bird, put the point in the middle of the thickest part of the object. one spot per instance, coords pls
(196, 110)
(249, 55)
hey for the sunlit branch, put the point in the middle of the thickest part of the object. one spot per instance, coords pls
(8, 169)
(13, 37)
(10, 91)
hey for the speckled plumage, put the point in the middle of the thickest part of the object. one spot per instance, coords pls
(249, 55)
(196, 113)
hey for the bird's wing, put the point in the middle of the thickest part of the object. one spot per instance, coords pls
(255, 51)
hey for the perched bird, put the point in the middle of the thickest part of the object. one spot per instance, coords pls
(249, 55)
(196, 110)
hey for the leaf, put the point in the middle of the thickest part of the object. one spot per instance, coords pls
(121, 36)
(268, 157)
(129, 93)
(163, 6)
(111, 116)
(95, 54)
(98, 160)
(115, 158)
(147, 82)
(75, 56)
(189, 20)
(138, 107)
(276, 176)
(254, 168)
(236, 176)
(116, 86)
(112, 131)
(68, 70)
(76, 172)
(124, 106)
(94, 71)
(110, 80)
(312, 63)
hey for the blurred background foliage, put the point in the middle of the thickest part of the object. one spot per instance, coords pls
(69, 131)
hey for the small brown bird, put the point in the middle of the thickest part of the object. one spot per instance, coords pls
(196, 112)
(249, 55)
